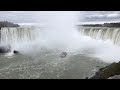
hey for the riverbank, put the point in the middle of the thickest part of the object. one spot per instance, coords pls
(108, 72)
(117, 24)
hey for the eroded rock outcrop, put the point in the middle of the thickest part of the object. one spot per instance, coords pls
(7, 24)
(5, 49)
(108, 71)
(115, 77)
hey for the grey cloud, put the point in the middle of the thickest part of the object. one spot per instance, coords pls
(30, 16)
(36, 16)
(19, 16)
(100, 16)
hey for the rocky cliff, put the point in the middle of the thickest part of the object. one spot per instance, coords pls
(108, 71)
(7, 24)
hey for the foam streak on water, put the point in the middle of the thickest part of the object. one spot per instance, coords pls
(40, 50)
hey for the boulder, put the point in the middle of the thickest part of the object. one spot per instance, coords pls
(15, 52)
(5, 49)
(63, 54)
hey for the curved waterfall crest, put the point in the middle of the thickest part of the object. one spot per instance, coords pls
(102, 33)
(12, 35)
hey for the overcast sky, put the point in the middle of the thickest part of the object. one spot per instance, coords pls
(41, 16)
(100, 16)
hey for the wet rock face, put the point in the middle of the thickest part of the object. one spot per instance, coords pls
(16, 52)
(5, 49)
(115, 77)
(117, 24)
(108, 71)
(8, 24)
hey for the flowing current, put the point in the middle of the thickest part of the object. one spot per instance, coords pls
(103, 33)
(15, 35)
(40, 51)
(88, 49)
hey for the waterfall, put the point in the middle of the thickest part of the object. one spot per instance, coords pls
(102, 33)
(14, 35)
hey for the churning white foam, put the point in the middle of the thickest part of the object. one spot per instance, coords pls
(62, 34)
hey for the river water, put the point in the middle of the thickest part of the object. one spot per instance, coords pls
(40, 49)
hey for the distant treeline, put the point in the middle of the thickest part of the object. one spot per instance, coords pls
(103, 25)
(7, 24)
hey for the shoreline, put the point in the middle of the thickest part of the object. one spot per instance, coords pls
(117, 24)
(107, 72)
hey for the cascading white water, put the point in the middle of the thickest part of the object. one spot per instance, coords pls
(17, 36)
(14, 35)
(103, 33)
(104, 40)
(61, 34)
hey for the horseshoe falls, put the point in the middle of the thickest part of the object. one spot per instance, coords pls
(103, 33)
(106, 40)
(17, 36)
(41, 45)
